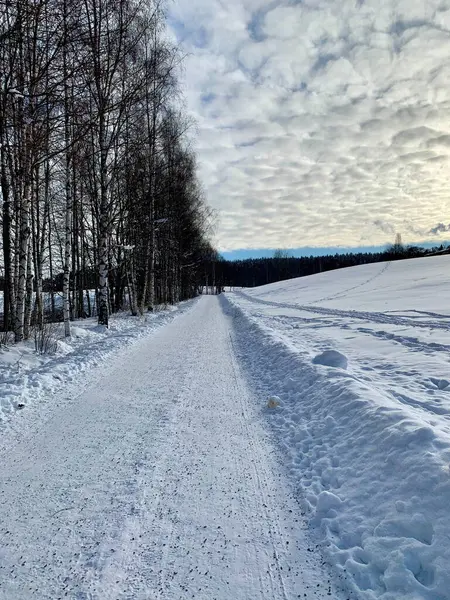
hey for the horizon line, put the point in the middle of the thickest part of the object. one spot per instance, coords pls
(306, 251)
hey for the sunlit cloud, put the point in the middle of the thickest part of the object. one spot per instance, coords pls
(320, 123)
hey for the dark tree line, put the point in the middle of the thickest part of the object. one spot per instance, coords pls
(98, 183)
(261, 271)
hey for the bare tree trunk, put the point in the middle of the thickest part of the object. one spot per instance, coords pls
(151, 260)
(50, 268)
(131, 281)
(103, 224)
(67, 257)
(68, 193)
(41, 241)
(103, 311)
(8, 295)
(28, 297)
(24, 238)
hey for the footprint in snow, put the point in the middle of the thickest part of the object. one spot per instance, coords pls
(441, 384)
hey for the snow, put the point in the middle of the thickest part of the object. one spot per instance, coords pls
(331, 358)
(156, 481)
(16, 93)
(27, 377)
(360, 360)
(280, 442)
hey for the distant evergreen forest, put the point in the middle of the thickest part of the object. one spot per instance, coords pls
(220, 273)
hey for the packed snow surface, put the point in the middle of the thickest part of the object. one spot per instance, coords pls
(153, 479)
(360, 359)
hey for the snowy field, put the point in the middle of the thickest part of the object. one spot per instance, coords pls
(360, 360)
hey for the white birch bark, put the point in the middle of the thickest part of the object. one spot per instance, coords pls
(24, 237)
(28, 296)
(103, 280)
(67, 259)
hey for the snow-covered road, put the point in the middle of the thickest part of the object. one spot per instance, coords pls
(157, 481)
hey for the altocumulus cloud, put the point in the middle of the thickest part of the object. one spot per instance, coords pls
(320, 123)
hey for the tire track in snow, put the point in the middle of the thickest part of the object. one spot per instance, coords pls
(343, 293)
(412, 386)
(261, 478)
(219, 463)
(370, 317)
(409, 342)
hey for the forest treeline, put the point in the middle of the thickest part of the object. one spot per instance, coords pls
(261, 271)
(98, 182)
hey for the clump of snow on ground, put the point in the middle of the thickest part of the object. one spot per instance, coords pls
(273, 401)
(359, 358)
(28, 377)
(331, 358)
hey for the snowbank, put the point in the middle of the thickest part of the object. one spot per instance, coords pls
(371, 471)
(28, 378)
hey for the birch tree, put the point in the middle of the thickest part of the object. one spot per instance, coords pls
(98, 184)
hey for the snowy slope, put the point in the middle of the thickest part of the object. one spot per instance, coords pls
(360, 360)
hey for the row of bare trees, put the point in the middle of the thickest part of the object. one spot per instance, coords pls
(98, 184)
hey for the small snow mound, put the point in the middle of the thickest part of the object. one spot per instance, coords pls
(331, 358)
(419, 436)
(330, 423)
(273, 401)
(327, 501)
(417, 527)
(79, 332)
(64, 348)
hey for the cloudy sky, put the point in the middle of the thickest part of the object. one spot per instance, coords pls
(320, 122)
